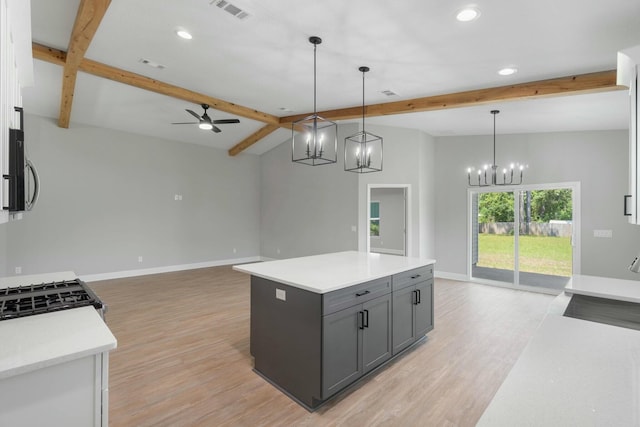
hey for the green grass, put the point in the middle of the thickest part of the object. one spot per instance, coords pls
(538, 254)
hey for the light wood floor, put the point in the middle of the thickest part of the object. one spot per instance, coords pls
(183, 357)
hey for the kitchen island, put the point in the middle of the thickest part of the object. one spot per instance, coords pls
(574, 372)
(320, 323)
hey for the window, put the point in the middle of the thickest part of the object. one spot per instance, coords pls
(374, 219)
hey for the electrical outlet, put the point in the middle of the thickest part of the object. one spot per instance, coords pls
(354, 228)
(18, 270)
(140, 258)
(278, 251)
(603, 233)
(177, 197)
(235, 250)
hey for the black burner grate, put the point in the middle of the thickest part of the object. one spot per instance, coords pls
(46, 297)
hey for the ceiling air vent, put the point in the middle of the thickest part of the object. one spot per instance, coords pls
(151, 63)
(231, 8)
(389, 92)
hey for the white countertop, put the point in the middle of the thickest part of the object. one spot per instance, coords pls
(333, 271)
(573, 372)
(603, 287)
(35, 342)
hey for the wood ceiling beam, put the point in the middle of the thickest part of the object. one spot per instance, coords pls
(55, 56)
(88, 18)
(252, 139)
(562, 86)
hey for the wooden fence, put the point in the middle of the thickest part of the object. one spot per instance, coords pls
(530, 228)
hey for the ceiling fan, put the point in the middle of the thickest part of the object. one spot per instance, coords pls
(205, 122)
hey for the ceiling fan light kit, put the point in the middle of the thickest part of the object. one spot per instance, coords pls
(488, 174)
(205, 123)
(314, 139)
(363, 150)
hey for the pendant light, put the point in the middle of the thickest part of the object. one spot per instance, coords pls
(488, 174)
(363, 150)
(314, 140)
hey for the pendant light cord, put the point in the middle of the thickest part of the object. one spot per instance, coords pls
(315, 47)
(494, 139)
(363, 101)
(494, 112)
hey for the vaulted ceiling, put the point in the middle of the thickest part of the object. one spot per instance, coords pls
(92, 65)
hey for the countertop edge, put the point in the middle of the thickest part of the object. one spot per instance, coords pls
(94, 335)
(24, 369)
(421, 262)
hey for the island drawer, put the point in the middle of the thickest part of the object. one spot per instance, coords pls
(411, 277)
(356, 294)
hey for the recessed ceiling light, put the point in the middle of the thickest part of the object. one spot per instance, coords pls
(468, 14)
(507, 71)
(184, 34)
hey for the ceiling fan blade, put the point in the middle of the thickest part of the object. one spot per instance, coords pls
(216, 129)
(193, 114)
(226, 121)
(186, 123)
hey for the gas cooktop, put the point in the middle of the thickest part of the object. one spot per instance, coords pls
(41, 298)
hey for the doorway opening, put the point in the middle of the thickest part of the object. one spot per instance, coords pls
(387, 225)
(525, 236)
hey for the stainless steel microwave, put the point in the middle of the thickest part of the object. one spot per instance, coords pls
(23, 182)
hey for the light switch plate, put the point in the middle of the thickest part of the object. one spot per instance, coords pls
(281, 294)
(603, 233)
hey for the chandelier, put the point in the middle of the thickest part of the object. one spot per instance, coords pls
(488, 174)
(314, 139)
(363, 150)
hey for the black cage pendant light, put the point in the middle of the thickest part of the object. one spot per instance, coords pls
(363, 150)
(314, 140)
(488, 174)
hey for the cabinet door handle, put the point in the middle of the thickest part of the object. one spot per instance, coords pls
(415, 277)
(362, 293)
(419, 296)
(360, 320)
(365, 322)
(414, 297)
(626, 197)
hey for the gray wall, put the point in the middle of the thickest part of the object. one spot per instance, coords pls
(598, 160)
(392, 217)
(409, 157)
(307, 210)
(107, 197)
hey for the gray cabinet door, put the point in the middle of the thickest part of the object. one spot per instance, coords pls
(424, 309)
(341, 358)
(403, 324)
(376, 335)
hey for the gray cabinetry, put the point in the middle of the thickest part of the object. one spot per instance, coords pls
(312, 345)
(412, 307)
(356, 339)
(341, 355)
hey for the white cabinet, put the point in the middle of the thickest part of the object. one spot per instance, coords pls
(628, 64)
(71, 394)
(16, 71)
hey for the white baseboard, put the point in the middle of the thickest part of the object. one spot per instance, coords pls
(166, 269)
(451, 276)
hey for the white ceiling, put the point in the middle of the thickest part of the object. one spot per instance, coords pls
(415, 48)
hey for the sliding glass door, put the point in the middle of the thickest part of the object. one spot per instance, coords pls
(524, 237)
(494, 240)
(545, 233)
